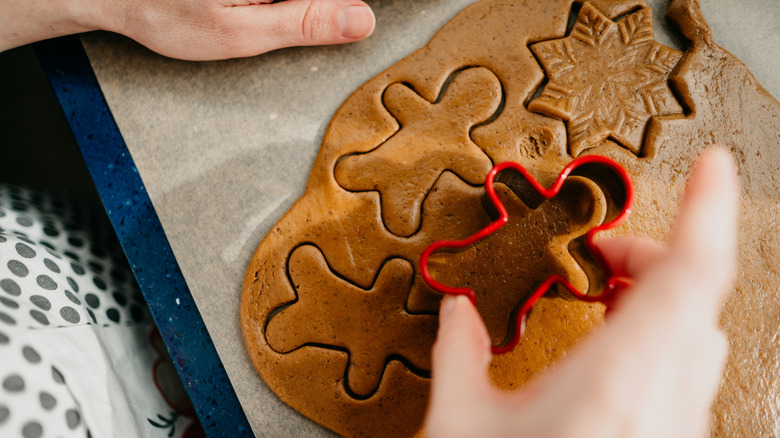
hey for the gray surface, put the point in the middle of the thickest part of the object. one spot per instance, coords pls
(225, 148)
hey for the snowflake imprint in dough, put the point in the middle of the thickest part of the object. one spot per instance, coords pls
(606, 79)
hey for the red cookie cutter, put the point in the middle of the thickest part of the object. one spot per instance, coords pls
(613, 181)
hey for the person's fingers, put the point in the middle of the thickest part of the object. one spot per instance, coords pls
(700, 381)
(461, 356)
(704, 238)
(630, 256)
(219, 29)
(265, 27)
(461, 353)
(685, 281)
(674, 302)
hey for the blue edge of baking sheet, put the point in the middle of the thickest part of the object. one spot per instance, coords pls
(142, 237)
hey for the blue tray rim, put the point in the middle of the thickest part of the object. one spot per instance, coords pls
(135, 221)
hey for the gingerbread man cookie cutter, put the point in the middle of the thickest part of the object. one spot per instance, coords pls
(614, 182)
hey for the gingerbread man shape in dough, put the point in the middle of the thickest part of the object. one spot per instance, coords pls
(434, 137)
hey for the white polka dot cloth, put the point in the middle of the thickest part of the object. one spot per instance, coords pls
(76, 356)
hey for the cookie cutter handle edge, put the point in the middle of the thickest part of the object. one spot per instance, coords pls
(619, 184)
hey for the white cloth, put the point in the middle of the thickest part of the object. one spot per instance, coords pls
(79, 354)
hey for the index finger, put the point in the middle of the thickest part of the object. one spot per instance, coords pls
(704, 238)
(629, 256)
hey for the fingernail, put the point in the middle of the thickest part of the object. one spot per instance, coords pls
(447, 304)
(356, 21)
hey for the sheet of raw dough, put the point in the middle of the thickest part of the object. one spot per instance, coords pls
(225, 148)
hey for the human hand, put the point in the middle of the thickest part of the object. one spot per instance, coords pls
(652, 370)
(192, 29)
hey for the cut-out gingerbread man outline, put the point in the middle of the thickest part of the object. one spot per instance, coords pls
(526, 241)
(606, 79)
(605, 176)
(433, 137)
(366, 317)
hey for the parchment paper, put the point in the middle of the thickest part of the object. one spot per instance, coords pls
(225, 148)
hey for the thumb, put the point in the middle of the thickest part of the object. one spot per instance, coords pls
(305, 23)
(461, 356)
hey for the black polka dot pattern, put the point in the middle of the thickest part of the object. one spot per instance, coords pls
(92, 316)
(13, 383)
(120, 298)
(7, 319)
(32, 429)
(50, 265)
(70, 314)
(7, 302)
(40, 317)
(25, 251)
(41, 302)
(92, 300)
(78, 268)
(47, 400)
(32, 403)
(59, 267)
(73, 299)
(113, 314)
(57, 376)
(18, 268)
(24, 220)
(37, 289)
(46, 282)
(73, 418)
(31, 355)
(10, 287)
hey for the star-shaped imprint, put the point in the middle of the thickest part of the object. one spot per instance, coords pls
(434, 137)
(372, 325)
(606, 79)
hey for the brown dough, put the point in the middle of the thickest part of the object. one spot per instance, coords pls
(432, 138)
(333, 312)
(347, 230)
(606, 79)
(505, 267)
